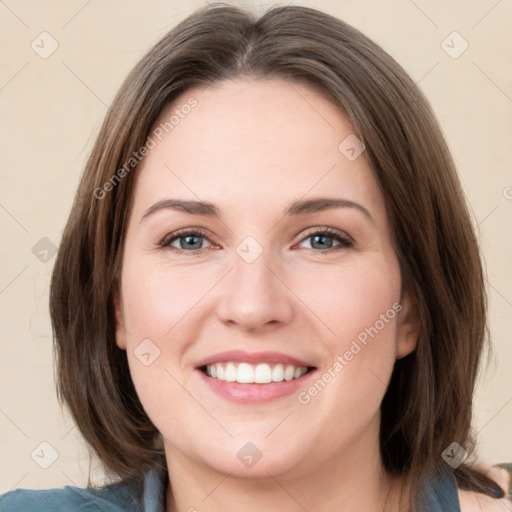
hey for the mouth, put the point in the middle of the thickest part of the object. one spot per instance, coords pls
(254, 377)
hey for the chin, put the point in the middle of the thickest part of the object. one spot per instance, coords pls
(257, 462)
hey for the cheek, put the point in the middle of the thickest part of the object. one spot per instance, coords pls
(358, 301)
(360, 308)
(160, 308)
(157, 299)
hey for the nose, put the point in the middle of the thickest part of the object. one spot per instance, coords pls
(255, 296)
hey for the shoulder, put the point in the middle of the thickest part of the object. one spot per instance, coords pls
(476, 502)
(58, 500)
(112, 498)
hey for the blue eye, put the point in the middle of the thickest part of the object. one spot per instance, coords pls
(192, 242)
(188, 241)
(324, 240)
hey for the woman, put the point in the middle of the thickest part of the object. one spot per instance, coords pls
(269, 293)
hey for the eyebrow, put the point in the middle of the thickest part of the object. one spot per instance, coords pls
(300, 207)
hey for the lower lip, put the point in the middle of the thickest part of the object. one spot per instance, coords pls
(255, 393)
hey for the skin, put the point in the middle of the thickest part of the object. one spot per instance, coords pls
(475, 502)
(252, 147)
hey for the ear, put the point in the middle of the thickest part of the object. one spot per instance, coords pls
(120, 326)
(409, 323)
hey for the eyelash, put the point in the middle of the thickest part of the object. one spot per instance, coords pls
(344, 240)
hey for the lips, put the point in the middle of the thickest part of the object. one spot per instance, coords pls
(239, 356)
(253, 377)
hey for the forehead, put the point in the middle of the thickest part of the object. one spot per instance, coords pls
(257, 141)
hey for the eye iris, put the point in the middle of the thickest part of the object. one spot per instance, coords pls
(188, 239)
(321, 237)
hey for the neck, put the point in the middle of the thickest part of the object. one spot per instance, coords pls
(352, 480)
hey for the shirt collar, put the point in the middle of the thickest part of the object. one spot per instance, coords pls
(155, 484)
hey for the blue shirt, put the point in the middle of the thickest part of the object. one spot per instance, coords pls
(439, 494)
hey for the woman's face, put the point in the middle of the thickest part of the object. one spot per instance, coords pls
(288, 267)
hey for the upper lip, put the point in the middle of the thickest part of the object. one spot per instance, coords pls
(240, 356)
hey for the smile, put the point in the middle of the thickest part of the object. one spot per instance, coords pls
(254, 377)
(245, 373)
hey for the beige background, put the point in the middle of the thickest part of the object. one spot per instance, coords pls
(50, 110)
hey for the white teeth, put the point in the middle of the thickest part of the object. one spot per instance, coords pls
(262, 373)
(289, 372)
(245, 374)
(230, 375)
(278, 373)
(299, 372)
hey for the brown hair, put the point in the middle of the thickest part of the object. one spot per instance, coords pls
(428, 404)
